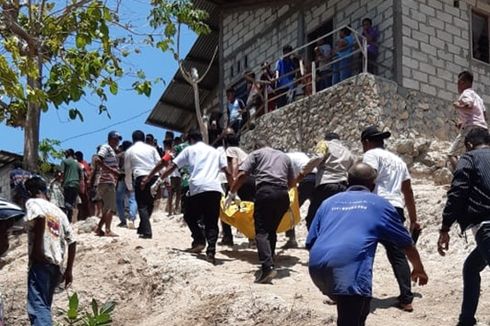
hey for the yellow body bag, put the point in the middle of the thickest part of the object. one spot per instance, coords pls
(242, 216)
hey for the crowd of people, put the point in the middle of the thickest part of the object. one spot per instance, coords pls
(355, 203)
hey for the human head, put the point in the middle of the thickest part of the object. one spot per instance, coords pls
(260, 144)
(79, 156)
(167, 144)
(178, 140)
(125, 145)
(344, 32)
(69, 153)
(138, 135)
(362, 174)
(231, 140)
(194, 136)
(367, 23)
(150, 139)
(331, 136)
(465, 81)
(477, 137)
(36, 187)
(265, 66)
(287, 49)
(371, 138)
(230, 94)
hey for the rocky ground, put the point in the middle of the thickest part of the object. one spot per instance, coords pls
(155, 282)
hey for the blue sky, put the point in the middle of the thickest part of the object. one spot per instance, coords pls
(55, 124)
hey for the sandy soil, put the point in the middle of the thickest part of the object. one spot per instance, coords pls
(154, 282)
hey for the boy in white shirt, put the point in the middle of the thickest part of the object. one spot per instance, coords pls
(472, 114)
(49, 233)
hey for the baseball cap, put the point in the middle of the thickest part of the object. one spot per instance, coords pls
(114, 134)
(372, 132)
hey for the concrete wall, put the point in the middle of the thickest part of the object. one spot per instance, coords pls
(259, 33)
(349, 107)
(437, 46)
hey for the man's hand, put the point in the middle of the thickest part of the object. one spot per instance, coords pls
(143, 183)
(68, 278)
(414, 225)
(443, 243)
(419, 276)
(231, 198)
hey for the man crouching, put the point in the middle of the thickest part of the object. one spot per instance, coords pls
(342, 242)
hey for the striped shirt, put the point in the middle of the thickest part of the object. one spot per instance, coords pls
(468, 199)
(108, 155)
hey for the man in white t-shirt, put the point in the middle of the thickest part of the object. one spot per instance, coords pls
(393, 184)
(472, 114)
(204, 163)
(48, 233)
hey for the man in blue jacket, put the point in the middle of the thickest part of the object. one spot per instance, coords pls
(342, 242)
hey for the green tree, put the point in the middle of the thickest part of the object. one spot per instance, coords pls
(53, 52)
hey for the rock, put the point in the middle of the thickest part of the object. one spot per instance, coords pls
(404, 146)
(88, 225)
(434, 159)
(420, 170)
(442, 176)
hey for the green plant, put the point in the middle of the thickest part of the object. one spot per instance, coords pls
(98, 316)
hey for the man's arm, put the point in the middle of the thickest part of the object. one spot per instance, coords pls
(37, 254)
(418, 273)
(128, 169)
(72, 248)
(410, 203)
(239, 181)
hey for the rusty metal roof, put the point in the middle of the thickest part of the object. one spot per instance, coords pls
(175, 108)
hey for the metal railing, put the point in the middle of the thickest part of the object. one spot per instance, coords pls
(305, 78)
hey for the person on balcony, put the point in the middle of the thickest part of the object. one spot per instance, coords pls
(235, 107)
(269, 84)
(371, 34)
(323, 55)
(285, 75)
(343, 53)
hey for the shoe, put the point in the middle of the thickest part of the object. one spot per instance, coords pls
(226, 242)
(196, 249)
(131, 226)
(290, 244)
(407, 307)
(122, 225)
(266, 276)
(251, 244)
(145, 236)
(210, 258)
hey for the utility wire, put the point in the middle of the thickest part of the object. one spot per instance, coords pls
(106, 127)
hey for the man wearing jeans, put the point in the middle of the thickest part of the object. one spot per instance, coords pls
(274, 174)
(468, 204)
(393, 183)
(342, 242)
(122, 192)
(139, 160)
(48, 233)
(204, 163)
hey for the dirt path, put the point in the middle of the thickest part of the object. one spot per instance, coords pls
(155, 282)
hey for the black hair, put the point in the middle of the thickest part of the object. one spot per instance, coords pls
(36, 185)
(466, 76)
(138, 135)
(69, 152)
(232, 140)
(346, 31)
(194, 135)
(368, 20)
(168, 143)
(478, 136)
(125, 145)
(331, 136)
(230, 90)
(79, 155)
(286, 49)
(150, 136)
(378, 142)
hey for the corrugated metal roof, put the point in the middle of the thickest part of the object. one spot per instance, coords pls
(175, 108)
(7, 158)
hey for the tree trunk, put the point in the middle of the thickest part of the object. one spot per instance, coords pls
(31, 131)
(202, 126)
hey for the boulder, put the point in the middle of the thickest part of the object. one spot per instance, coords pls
(88, 225)
(442, 176)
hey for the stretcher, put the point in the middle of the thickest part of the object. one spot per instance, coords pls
(241, 216)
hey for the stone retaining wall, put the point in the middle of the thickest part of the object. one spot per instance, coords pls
(348, 108)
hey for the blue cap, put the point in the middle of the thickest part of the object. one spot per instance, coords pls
(114, 134)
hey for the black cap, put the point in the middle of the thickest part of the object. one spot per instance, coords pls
(372, 132)
(114, 134)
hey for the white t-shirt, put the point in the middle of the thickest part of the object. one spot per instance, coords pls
(221, 175)
(238, 153)
(392, 171)
(139, 160)
(298, 161)
(204, 163)
(57, 232)
(475, 115)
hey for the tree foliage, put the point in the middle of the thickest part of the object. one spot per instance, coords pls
(53, 53)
